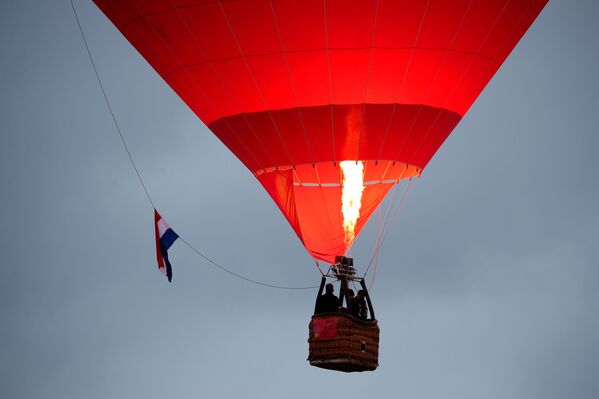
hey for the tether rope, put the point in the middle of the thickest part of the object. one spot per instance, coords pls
(118, 129)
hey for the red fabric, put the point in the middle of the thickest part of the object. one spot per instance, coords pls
(310, 199)
(290, 84)
(159, 258)
(299, 136)
(232, 57)
(324, 328)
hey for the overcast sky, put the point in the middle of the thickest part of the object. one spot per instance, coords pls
(487, 287)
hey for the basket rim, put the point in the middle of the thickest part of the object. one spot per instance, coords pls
(348, 316)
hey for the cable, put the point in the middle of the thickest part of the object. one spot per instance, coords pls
(395, 215)
(380, 228)
(389, 220)
(118, 129)
(376, 263)
(221, 267)
(281, 287)
(318, 266)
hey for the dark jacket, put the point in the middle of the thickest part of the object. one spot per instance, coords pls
(327, 303)
(359, 309)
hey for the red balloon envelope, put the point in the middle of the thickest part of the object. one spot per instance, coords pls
(327, 102)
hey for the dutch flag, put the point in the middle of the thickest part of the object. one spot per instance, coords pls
(165, 237)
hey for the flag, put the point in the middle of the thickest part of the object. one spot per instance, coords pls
(165, 237)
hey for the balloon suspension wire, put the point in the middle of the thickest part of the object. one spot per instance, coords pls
(378, 237)
(376, 263)
(404, 197)
(143, 185)
(318, 266)
(389, 219)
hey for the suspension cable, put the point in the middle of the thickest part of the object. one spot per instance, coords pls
(389, 221)
(118, 129)
(318, 266)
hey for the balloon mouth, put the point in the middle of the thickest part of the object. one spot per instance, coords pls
(328, 203)
(329, 174)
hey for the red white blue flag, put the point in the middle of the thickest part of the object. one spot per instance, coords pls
(165, 237)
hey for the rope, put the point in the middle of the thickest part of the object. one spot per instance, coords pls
(118, 129)
(403, 198)
(376, 263)
(374, 250)
(380, 228)
(211, 261)
(281, 287)
(318, 266)
(389, 220)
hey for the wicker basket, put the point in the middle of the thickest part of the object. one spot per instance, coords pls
(341, 342)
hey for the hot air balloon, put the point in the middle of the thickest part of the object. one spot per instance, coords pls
(329, 103)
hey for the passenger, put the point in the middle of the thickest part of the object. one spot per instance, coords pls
(359, 307)
(328, 302)
(350, 304)
(351, 295)
(356, 305)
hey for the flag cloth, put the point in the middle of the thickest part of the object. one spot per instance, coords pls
(165, 237)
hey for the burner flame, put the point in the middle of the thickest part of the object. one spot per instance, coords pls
(351, 197)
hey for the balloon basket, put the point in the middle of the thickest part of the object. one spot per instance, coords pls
(338, 341)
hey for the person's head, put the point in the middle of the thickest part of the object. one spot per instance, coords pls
(361, 294)
(330, 288)
(350, 292)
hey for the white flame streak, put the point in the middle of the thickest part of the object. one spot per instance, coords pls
(351, 196)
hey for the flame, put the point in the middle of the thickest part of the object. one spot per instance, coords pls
(351, 196)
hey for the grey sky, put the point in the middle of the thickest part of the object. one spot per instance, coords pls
(488, 286)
